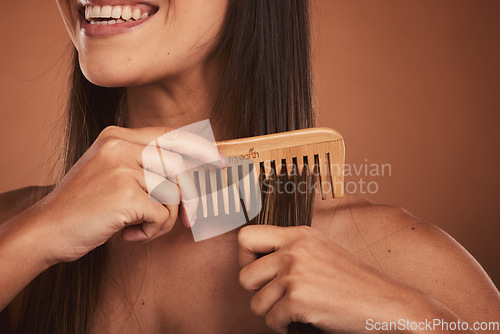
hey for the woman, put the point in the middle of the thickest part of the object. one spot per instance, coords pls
(111, 260)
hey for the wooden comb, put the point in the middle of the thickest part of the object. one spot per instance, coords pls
(316, 151)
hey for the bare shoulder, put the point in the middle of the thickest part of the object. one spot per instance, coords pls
(412, 251)
(355, 223)
(15, 201)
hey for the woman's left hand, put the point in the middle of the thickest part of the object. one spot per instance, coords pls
(308, 278)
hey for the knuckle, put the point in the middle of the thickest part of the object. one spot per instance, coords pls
(300, 249)
(242, 234)
(303, 230)
(177, 162)
(293, 300)
(294, 293)
(295, 268)
(167, 226)
(113, 150)
(288, 261)
(150, 230)
(109, 132)
(127, 215)
(112, 144)
(256, 306)
(293, 254)
(149, 236)
(243, 278)
(289, 282)
(296, 307)
(270, 320)
(304, 239)
(299, 261)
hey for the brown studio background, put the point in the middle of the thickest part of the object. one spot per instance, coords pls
(414, 84)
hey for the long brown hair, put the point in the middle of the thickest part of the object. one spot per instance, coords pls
(266, 88)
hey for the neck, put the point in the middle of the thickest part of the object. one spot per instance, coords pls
(174, 102)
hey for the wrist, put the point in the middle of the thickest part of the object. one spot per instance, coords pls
(22, 256)
(26, 240)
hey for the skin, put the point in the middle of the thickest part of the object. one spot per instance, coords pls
(358, 261)
(164, 65)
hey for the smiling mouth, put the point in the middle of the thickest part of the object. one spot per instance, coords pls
(107, 15)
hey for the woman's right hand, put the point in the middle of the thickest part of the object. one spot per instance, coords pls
(106, 191)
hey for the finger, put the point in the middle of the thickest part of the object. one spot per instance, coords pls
(267, 297)
(175, 140)
(255, 239)
(162, 162)
(159, 189)
(169, 224)
(166, 196)
(167, 164)
(163, 192)
(279, 317)
(154, 217)
(191, 145)
(189, 197)
(167, 192)
(260, 272)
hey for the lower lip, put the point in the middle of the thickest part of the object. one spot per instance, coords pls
(103, 30)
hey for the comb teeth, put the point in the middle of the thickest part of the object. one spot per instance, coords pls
(222, 191)
(313, 152)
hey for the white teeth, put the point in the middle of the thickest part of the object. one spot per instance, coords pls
(105, 11)
(126, 13)
(117, 12)
(120, 13)
(136, 15)
(96, 11)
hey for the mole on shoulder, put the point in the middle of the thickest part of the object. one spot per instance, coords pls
(412, 228)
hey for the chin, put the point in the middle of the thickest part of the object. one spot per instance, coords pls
(127, 70)
(108, 77)
(108, 70)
